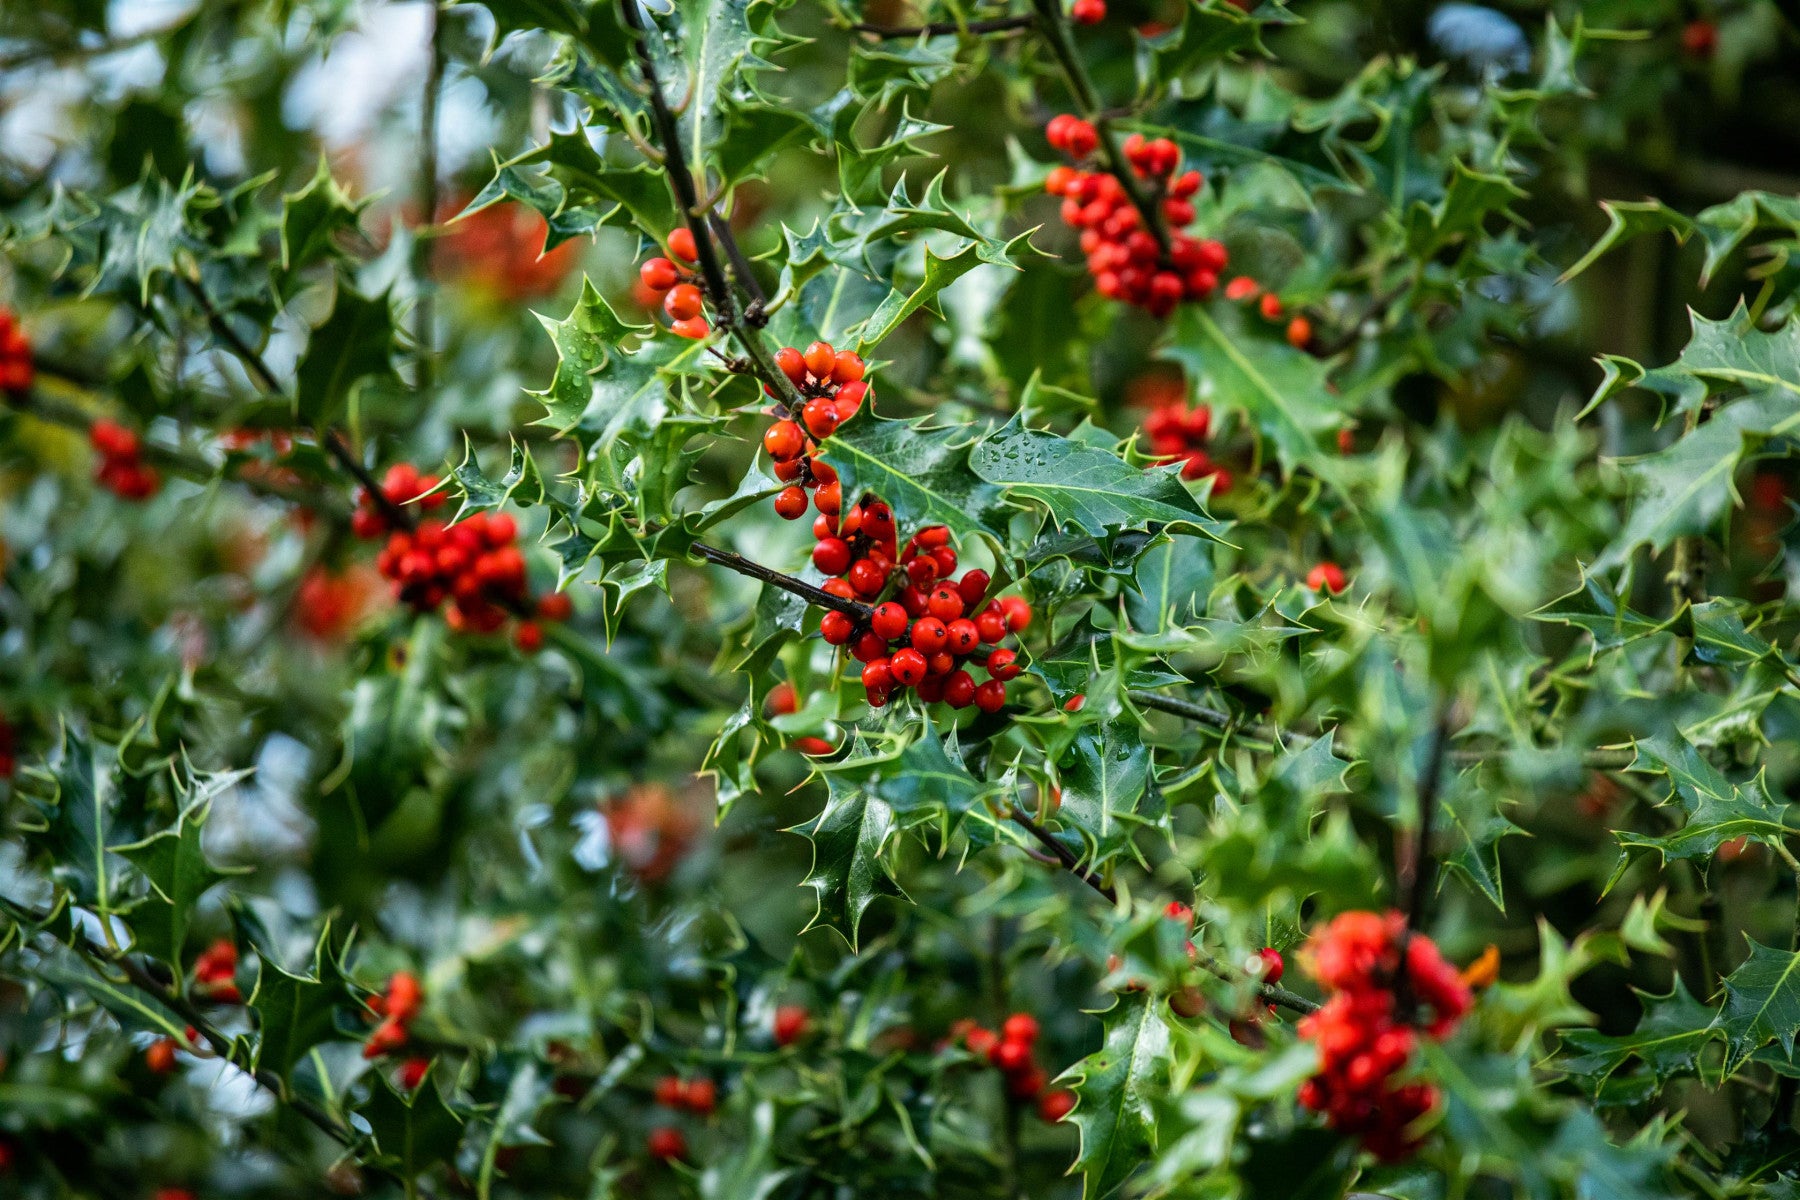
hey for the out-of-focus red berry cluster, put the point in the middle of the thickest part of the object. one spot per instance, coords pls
(1088, 12)
(1179, 432)
(500, 249)
(1013, 1051)
(1363, 1040)
(832, 388)
(16, 371)
(934, 624)
(474, 564)
(122, 470)
(678, 286)
(328, 607)
(396, 1006)
(1124, 258)
(215, 973)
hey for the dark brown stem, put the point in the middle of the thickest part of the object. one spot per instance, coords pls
(687, 198)
(941, 28)
(1419, 872)
(246, 353)
(1056, 35)
(424, 331)
(856, 610)
(396, 514)
(740, 265)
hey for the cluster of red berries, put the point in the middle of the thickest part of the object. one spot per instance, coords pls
(397, 1005)
(474, 564)
(215, 973)
(831, 386)
(327, 606)
(16, 371)
(1012, 1051)
(1088, 12)
(122, 470)
(402, 485)
(1244, 289)
(1363, 1040)
(1125, 259)
(1178, 433)
(699, 1096)
(933, 626)
(678, 285)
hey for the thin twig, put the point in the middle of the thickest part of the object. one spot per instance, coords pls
(424, 332)
(687, 197)
(730, 560)
(740, 265)
(246, 353)
(396, 514)
(1418, 872)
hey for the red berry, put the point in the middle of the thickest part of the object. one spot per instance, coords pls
(945, 558)
(959, 689)
(1271, 964)
(1327, 577)
(832, 557)
(945, 603)
(529, 636)
(931, 689)
(791, 1024)
(1026, 1084)
(1299, 333)
(1700, 38)
(694, 328)
(787, 469)
(557, 606)
(792, 364)
(1054, 1106)
(160, 1056)
(867, 578)
(813, 746)
(664, 1142)
(702, 1096)
(1187, 1002)
(847, 367)
(1075, 703)
(1001, 664)
(683, 302)
(821, 417)
(681, 245)
(1018, 613)
(849, 398)
(878, 675)
(412, 1073)
(972, 587)
(908, 666)
(112, 439)
(791, 503)
(922, 570)
(933, 536)
(912, 600)
(659, 274)
(991, 626)
(929, 635)
(1088, 12)
(836, 628)
(1020, 1027)
(782, 699)
(981, 1042)
(869, 647)
(783, 440)
(1270, 306)
(821, 359)
(961, 636)
(889, 620)
(1011, 1056)
(830, 497)
(991, 696)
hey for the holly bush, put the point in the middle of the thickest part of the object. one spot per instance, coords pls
(765, 600)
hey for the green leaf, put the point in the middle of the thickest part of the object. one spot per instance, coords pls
(921, 471)
(179, 875)
(1104, 787)
(313, 218)
(355, 343)
(1668, 1042)
(848, 839)
(1170, 585)
(1279, 388)
(1762, 1003)
(413, 1133)
(1118, 1089)
(1627, 219)
(1081, 487)
(939, 274)
(294, 1013)
(1718, 811)
(80, 820)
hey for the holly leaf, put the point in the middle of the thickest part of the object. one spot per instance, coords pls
(1718, 811)
(921, 471)
(1170, 584)
(356, 343)
(1104, 787)
(848, 839)
(1083, 487)
(1762, 1003)
(415, 1132)
(179, 874)
(313, 218)
(294, 1013)
(1668, 1042)
(1279, 388)
(1626, 219)
(79, 820)
(939, 274)
(1117, 1090)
